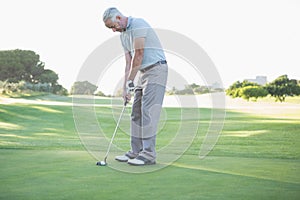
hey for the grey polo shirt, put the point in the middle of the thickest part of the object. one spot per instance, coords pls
(137, 27)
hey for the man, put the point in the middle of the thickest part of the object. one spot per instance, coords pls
(144, 53)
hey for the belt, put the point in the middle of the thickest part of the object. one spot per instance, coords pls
(153, 65)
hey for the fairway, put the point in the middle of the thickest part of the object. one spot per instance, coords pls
(42, 157)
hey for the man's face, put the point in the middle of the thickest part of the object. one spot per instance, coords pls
(115, 26)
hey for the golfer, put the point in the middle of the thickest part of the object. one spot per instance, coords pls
(144, 54)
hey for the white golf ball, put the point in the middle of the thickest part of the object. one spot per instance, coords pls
(102, 163)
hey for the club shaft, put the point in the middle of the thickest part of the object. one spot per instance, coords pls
(114, 134)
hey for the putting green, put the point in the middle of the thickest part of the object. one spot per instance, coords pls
(42, 157)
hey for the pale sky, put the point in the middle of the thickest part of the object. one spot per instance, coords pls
(244, 38)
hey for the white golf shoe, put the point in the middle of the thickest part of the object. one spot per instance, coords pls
(122, 158)
(126, 157)
(140, 161)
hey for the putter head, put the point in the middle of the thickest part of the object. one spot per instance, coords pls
(101, 163)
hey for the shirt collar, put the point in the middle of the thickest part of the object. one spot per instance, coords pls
(129, 22)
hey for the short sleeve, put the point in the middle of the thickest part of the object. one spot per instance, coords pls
(140, 28)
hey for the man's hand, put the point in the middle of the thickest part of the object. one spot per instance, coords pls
(127, 91)
(129, 86)
(126, 97)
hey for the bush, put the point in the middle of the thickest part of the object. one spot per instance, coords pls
(9, 88)
(15, 89)
(253, 92)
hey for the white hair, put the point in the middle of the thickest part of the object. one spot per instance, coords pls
(111, 14)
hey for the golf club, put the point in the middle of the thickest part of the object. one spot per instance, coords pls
(104, 163)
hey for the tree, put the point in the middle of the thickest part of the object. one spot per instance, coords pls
(17, 65)
(235, 90)
(282, 87)
(253, 92)
(83, 87)
(172, 91)
(48, 76)
(25, 65)
(59, 90)
(191, 89)
(193, 86)
(100, 93)
(201, 90)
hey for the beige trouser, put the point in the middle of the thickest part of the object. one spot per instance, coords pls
(146, 110)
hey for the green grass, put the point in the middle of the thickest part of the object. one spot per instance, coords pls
(23, 94)
(42, 157)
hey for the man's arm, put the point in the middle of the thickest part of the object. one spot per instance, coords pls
(139, 44)
(128, 60)
(133, 64)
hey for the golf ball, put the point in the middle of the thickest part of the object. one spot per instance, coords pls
(103, 163)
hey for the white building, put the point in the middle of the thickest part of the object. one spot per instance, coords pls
(261, 80)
